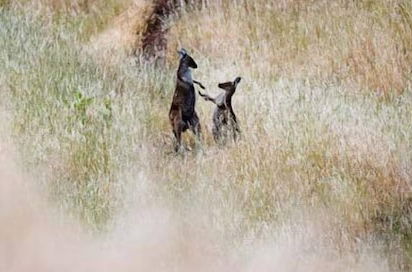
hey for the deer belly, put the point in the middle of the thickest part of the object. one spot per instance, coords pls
(219, 117)
(188, 114)
(188, 108)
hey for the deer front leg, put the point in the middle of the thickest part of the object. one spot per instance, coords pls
(200, 84)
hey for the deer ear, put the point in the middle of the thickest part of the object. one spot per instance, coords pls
(237, 80)
(191, 62)
(182, 52)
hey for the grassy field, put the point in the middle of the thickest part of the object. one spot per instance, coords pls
(320, 181)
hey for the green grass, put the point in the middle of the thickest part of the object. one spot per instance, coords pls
(314, 149)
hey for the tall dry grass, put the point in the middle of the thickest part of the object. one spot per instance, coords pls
(365, 44)
(321, 179)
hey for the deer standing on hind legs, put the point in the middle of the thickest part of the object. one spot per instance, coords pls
(182, 114)
(224, 118)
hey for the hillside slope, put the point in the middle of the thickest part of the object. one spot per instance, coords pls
(320, 181)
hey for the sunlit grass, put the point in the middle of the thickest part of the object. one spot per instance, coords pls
(324, 107)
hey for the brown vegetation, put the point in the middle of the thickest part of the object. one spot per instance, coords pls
(321, 181)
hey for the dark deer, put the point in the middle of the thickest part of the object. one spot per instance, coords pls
(224, 118)
(182, 114)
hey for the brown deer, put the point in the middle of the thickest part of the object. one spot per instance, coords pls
(224, 118)
(182, 114)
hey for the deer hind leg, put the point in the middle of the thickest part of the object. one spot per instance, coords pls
(217, 126)
(178, 127)
(173, 116)
(235, 129)
(217, 133)
(234, 126)
(196, 128)
(178, 137)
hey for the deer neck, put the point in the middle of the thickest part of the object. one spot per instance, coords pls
(185, 74)
(229, 94)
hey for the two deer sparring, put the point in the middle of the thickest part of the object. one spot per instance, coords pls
(182, 114)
